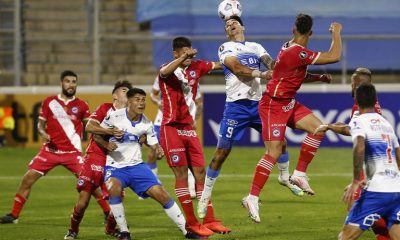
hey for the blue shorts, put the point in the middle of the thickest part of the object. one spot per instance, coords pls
(139, 178)
(157, 130)
(371, 206)
(238, 116)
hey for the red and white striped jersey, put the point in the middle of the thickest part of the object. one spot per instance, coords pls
(64, 123)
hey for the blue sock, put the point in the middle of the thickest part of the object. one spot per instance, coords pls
(114, 200)
(169, 204)
(284, 157)
(152, 165)
(212, 173)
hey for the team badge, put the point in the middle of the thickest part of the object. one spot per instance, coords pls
(221, 48)
(276, 132)
(192, 74)
(74, 110)
(303, 55)
(175, 158)
(81, 182)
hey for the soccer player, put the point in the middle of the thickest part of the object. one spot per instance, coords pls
(91, 177)
(179, 85)
(125, 167)
(241, 60)
(60, 125)
(376, 146)
(360, 76)
(278, 108)
(155, 97)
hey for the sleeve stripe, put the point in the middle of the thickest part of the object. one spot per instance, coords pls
(316, 58)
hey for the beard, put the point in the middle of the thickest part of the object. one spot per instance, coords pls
(68, 94)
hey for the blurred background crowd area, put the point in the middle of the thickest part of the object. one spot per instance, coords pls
(105, 40)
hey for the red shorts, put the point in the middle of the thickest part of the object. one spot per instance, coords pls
(92, 174)
(44, 161)
(277, 113)
(181, 146)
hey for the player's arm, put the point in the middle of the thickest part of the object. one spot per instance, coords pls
(335, 51)
(168, 69)
(358, 159)
(268, 61)
(109, 146)
(199, 106)
(42, 130)
(242, 71)
(326, 78)
(93, 126)
(158, 150)
(216, 66)
(155, 97)
(339, 128)
(397, 153)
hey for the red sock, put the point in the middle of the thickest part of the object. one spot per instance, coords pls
(263, 169)
(19, 202)
(111, 223)
(380, 230)
(308, 150)
(210, 210)
(103, 204)
(76, 219)
(182, 192)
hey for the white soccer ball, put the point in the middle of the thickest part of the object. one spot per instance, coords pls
(228, 8)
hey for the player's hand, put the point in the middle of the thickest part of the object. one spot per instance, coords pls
(143, 139)
(350, 190)
(266, 75)
(117, 133)
(159, 152)
(45, 137)
(321, 128)
(190, 53)
(326, 78)
(335, 27)
(111, 146)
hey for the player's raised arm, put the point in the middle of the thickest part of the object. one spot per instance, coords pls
(172, 66)
(326, 78)
(242, 71)
(335, 51)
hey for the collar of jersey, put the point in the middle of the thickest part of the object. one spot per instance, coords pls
(65, 101)
(133, 122)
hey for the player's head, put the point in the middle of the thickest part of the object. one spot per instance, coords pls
(136, 100)
(119, 91)
(366, 96)
(361, 75)
(179, 46)
(69, 81)
(233, 27)
(303, 25)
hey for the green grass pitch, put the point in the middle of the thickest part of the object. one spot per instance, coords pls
(283, 215)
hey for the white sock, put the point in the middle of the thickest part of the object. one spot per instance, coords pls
(175, 214)
(208, 186)
(191, 184)
(253, 198)
(119, 214)
(299, 173)
(284, 170)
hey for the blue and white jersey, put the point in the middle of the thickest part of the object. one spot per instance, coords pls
(248, 54)
(129, 151)
(380, 165)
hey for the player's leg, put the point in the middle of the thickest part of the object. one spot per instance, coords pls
(307, 121)
(78, 213)
(380, 230)
(191, 184)
(350, 232)
(151, 154)
(394, 232)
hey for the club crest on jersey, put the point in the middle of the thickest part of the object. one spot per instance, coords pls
(303, 55)
(231, 122)
(221, 48)
(192, 74)
(276, 132)
(75, 110)
(175, 158)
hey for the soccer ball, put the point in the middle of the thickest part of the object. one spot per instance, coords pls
(228, 8)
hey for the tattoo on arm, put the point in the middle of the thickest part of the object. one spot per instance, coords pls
(268, 61)
(358, 157)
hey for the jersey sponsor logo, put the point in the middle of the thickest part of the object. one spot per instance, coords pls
(75, 110)
(370, 219)
(290, 106)
(175, 158)
(375, 121)
(187, 133)
(276, 132)
(96, 168)
(177, 150)
(303, 55)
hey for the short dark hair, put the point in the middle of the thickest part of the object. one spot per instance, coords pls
(133, 91)
(181, 42)
(122, 83)
(68, 73)
(363, 74)
(303, 23)
(237, 18)
(366, 95)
